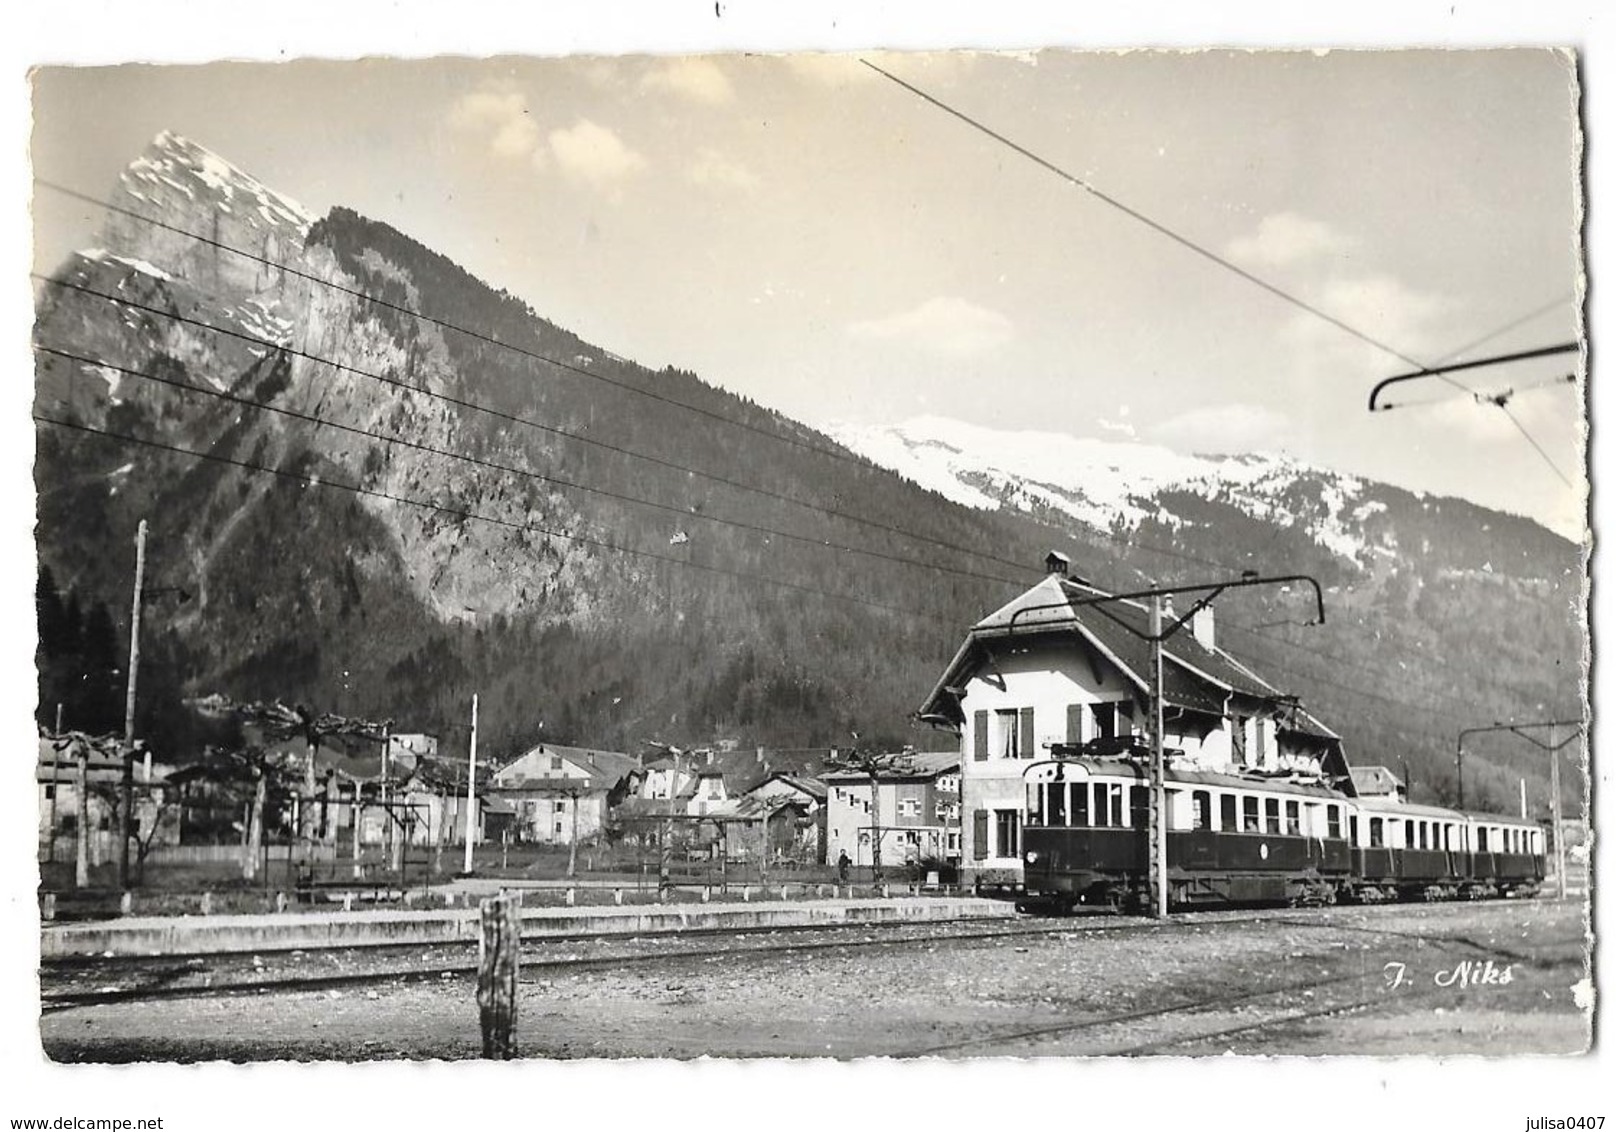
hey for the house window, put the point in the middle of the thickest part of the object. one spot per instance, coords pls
(1293, 818)
(953, 841)
(909, 808)
(560, 805)
(1250, 823)
(1271, 812)
(1237, 739)
(50, 791)
(558, 827)
(1007, 832)
(555, 762)
(1105, 720)
(1007, 733)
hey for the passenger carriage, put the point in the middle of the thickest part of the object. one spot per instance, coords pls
(1232, 839)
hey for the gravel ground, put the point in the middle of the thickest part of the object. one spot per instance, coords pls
(1295, 982)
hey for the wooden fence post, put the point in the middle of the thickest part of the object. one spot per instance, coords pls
(498, 959)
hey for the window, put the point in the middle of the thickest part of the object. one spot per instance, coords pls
(1377, 833)
(1107, 803)
(1481, 839)
(1237, 739)
(1055, 812)
(1332, 822)
(1201, 810)
(1248, 812)
(558, 825)
(1228, 813)
(1105, 720)
(909, 808)
(953, 841)
(50, 790)
(1139, 806)
(1005, 728)
(1080, 804)
(1293, 818)
(1408, 835)
(560, 805)
(1352, 828)
(1007, 832)
(1424, 834)
(1271, 813)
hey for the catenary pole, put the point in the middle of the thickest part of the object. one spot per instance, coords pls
(129, 709)
(471, 788)
(1554, 801)
(1158, 776)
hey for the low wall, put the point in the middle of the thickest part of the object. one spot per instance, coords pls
(196, 935)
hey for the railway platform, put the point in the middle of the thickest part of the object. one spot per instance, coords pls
(298, 930)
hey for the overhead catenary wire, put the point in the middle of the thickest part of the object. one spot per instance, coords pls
(307, 480)
(526, 473)
(1182, 240)
(528, 422)
(444, 324)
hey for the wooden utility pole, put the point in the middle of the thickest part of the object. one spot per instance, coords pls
(1158, 770)
(81, 834)
(471, 788)
(56, 786)
(498, 961)
(129, 709)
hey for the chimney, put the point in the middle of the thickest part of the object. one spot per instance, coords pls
(1204, 627)
(1057, 564)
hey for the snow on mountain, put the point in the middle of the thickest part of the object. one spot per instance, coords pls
(1105, 483)
(173, 164)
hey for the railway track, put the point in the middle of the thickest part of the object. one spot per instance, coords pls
(123, 979)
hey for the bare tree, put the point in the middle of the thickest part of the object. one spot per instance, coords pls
(874, 765)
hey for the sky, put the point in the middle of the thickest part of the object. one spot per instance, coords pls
(809, 234)
(806, 232)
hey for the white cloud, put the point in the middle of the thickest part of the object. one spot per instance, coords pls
(942, 325)
(694, 79)
(503, 118)
(711, 168)
(1232, 429)
(593, 153)
(1285, 239)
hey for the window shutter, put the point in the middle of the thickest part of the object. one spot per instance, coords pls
(979, 835)
(1025, 729)
(981, 749)
(1074, 723)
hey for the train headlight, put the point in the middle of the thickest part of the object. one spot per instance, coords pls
(1032, 856)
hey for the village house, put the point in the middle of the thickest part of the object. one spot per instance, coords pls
(804, 797)
(559, 794)
(1046, 671)
(56, 777)
(919, 813)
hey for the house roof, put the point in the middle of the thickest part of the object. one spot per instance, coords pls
(916, 765)
(812, 787)
(602, 770)
(1375, 780)
(1194, 676)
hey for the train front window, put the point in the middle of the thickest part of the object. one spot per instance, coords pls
(1035, 802)
(1055, 811)
(1250, 822)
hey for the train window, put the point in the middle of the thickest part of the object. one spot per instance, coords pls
(1055, 812)
(1352, 828)
(1248, 813)
(1138, 806)
(1102, 805)
(1271, 813)
(1293, 818)
(1080, 803)
(1422, 828)
(1377, 835)
(1332, 822)
(1408, 834)
(1228, 813)
(1481, 839)
(1201, 810)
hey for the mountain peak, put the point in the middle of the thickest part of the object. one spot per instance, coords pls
(175, 171)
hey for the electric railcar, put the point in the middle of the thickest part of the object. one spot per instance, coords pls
(1237, 839)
